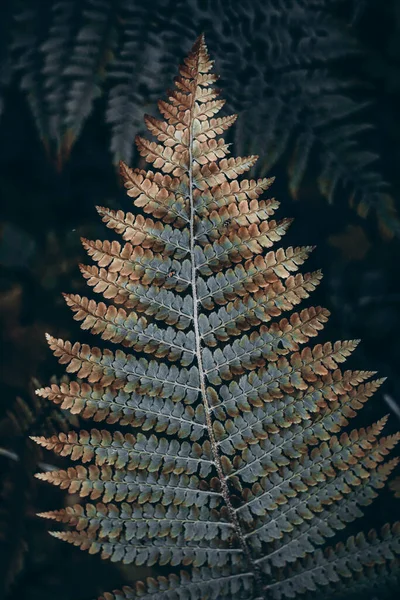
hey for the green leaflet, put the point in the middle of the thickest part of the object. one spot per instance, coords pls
(251, 276)
(127, 372)
(149, 453)
(137, 410)
(110, 483)
(132, 330)
(150, 299)
(325, 569)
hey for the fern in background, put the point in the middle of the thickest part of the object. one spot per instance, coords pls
(235, 464)
(395, 486)
(20, 459)
(5, 58)
(282, 63)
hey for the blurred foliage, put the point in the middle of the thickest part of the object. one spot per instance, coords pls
(293, 70)
(352, 242)
(32, 564)
(395, 487)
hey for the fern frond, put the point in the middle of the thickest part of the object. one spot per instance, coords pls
(87, 69)
(237, 461)
(66, 19)
(29, 34)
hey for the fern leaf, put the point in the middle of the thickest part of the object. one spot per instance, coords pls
(28, 36)
(253, 275)
(165, 158)
(162, 550)
(235, 215)
(66, 19)
(126, 372)
(146, 233)
(206, 582)
(229, 193)
(132, 331)
(305, 473)
(241, 315)
(150, 299)
(110, 483)
(284, 419)
(241, 244)
(156, 194)
(237, 462)
(306, 525)
(280, 382)
(117, 406)
(139, 265)
(88, 69)
(150, 453)
(146, 520)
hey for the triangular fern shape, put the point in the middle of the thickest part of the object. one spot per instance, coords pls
(234, 464)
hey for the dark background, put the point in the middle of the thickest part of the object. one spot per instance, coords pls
(316, 84)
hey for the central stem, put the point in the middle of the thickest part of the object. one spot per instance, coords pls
(214, 447)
